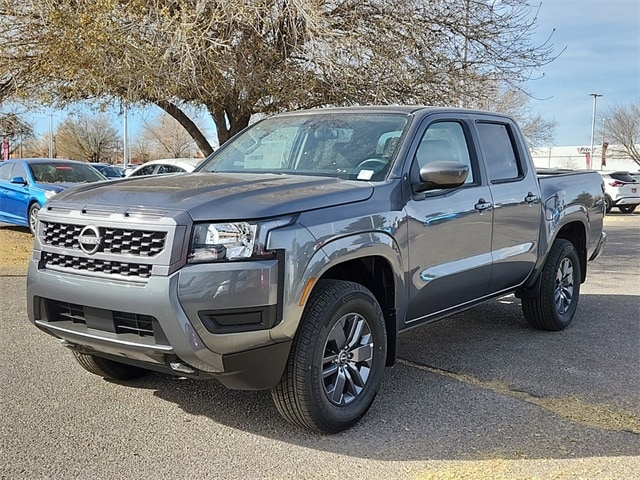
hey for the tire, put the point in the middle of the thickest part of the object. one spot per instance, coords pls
(554, 307)
(325, 387)
(627, 208)
(32, 217)
(109, 368)
(608, 204)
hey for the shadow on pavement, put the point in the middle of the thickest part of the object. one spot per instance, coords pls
(480, 385)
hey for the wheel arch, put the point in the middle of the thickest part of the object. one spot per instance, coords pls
(372, 260)
(376, 274)
(576, 233)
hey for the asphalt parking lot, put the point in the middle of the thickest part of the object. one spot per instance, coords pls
(480, 395)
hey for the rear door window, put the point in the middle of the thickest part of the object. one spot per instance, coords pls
(500, 155)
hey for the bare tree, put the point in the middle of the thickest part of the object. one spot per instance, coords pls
(623, 131)
(166, 138)
(515, 102)
(93, 139)
(240, 57)
(38, 147)
(15, 130)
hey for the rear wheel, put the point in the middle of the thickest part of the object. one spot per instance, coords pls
(556, 303)
(106, 368)
(608, 203)
(627, 208)
(337, 359)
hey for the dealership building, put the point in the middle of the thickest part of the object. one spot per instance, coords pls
(578, 158)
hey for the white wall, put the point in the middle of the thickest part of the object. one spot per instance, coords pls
(575, 158)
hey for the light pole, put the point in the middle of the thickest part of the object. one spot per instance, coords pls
(51, 135)
(603, 161)
(125, 143)
(593, 125)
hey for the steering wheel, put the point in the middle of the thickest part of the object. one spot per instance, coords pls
(375, 164)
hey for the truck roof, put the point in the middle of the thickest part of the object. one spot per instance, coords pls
(404, 109)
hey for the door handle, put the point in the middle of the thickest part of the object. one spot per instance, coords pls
(482, 205)
(530, 198)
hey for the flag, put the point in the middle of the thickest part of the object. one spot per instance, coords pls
(605, 145)
(5, 149)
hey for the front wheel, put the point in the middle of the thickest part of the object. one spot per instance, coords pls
(337, 359)
(556, 303)
(33, 217)
(627, 208)
(106, 368)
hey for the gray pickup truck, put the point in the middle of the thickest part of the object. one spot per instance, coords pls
(292, 258)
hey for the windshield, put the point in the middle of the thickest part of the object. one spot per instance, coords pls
(345, 145)
(61, 172)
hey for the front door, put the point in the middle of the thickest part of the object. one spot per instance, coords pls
(449, 230)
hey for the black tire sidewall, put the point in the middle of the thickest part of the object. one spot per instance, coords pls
(566, 251)
(626, 209)
(334, 417)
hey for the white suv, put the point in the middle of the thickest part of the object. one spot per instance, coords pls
(621, 190)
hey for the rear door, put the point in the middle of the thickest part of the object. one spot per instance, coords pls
(516, 203)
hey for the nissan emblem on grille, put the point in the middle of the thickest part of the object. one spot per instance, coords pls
(89, 239)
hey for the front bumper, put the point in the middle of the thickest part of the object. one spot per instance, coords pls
(207, 321)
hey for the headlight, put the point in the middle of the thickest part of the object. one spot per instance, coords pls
(218, 241)
(233, 240)
(49, 194)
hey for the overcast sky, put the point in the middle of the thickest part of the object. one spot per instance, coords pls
(602, 55)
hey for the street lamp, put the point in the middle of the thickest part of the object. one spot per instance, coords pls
(593, 124)
(125, 142)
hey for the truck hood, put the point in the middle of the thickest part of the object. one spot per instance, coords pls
(220, 196)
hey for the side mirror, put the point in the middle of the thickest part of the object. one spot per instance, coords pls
(436, 175)
(19, 180)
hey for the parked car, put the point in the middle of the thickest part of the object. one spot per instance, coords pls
(166, 165)
(26, 184)
(109, 171)
(622, 190)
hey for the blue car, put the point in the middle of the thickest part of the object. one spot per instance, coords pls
(26, 184)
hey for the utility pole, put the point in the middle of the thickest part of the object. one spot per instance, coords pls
(593, 125)
(125, 156)
(51, 135)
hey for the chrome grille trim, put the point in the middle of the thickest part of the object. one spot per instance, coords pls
(118, 241)
(94, 265)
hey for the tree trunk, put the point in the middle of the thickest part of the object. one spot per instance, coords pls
(236, 123)
(188, 124)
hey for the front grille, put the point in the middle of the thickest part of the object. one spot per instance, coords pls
(64, 311)
(141, 325)
(82, 264)
(106, 320)
(120, 241)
